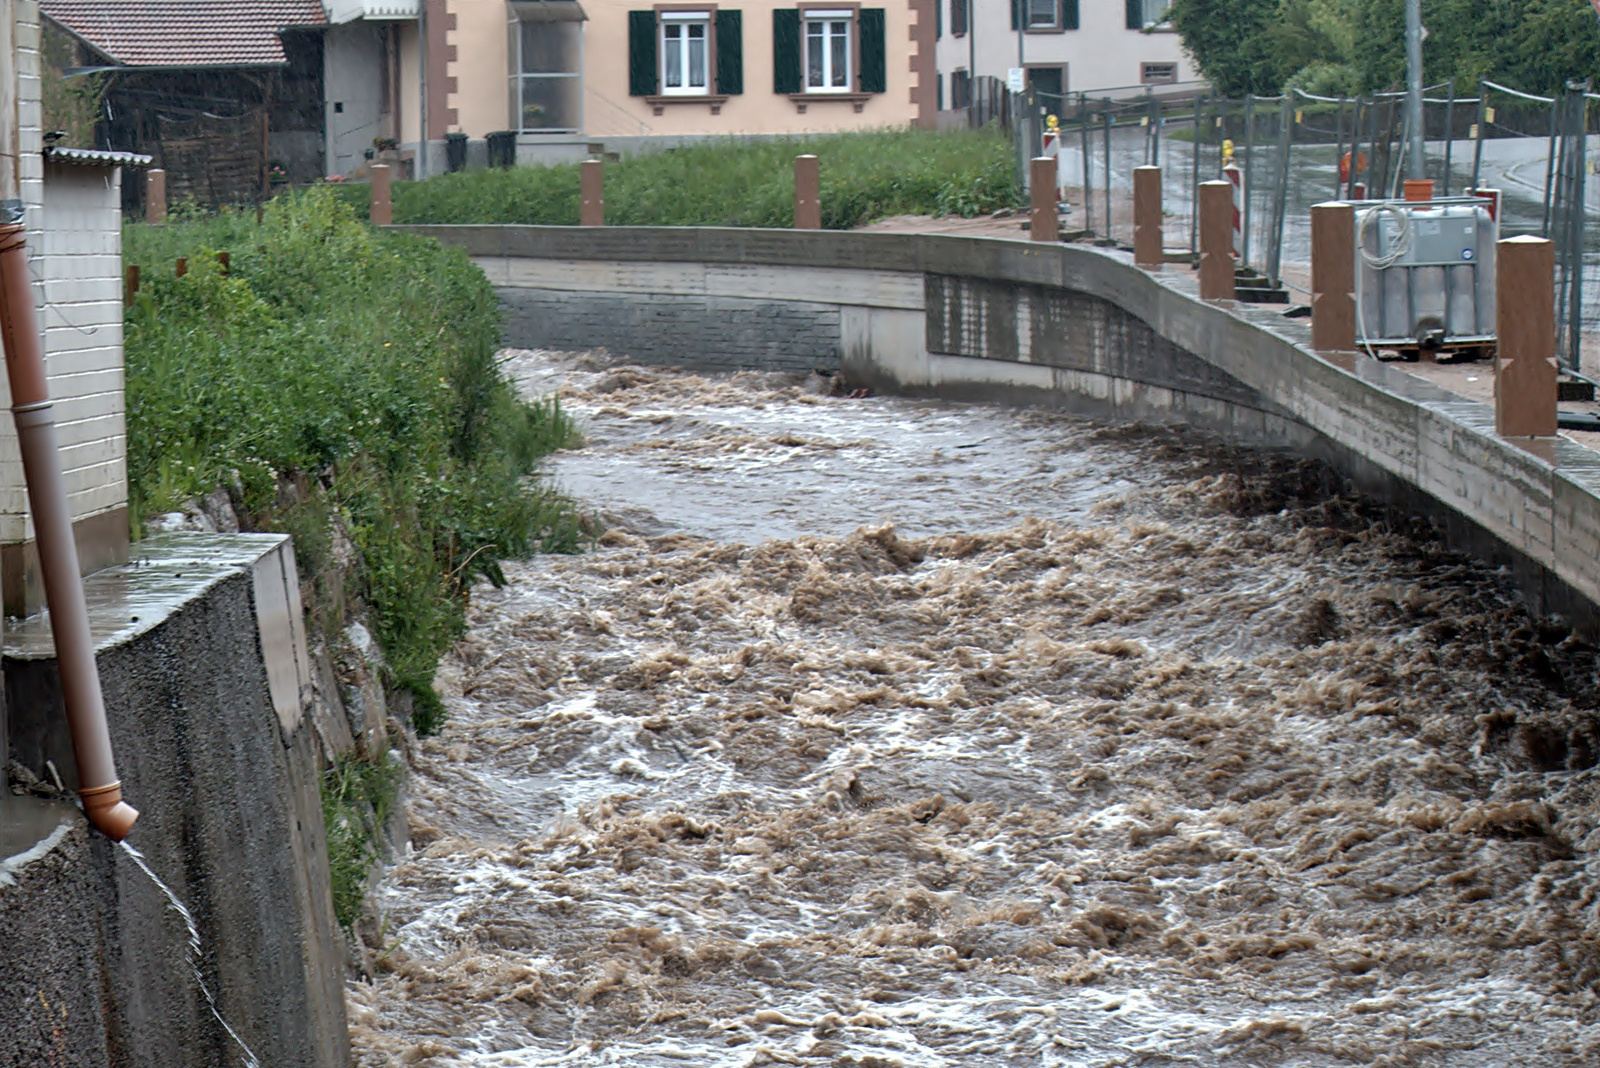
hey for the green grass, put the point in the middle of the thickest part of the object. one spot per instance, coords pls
(736, 183)
(343, 383)
(357, 798)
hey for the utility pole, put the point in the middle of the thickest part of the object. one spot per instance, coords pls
(1415, 152)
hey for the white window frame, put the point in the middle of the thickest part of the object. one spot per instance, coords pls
(682, 21)
(829, 20)
(519, 76)
(1052, 22)
(1161, 9)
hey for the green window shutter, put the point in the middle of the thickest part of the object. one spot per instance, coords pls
(786, 50)
(730, 52)
(938, 19)
(1016, 14)
(1069, 14)
(1135, 11)
(874, 59)
(644, 73)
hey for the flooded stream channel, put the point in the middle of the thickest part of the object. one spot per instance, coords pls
(880, 732)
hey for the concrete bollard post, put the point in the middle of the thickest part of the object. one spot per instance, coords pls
(1333, 275)
(1216, 240)
(1417, 190)
(592, 203)
(1147, 243)
(1525, 316)
(381, 210)
(807, 194)
(155, 196)
(1042, 223)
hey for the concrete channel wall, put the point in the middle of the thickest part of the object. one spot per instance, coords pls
(1069, 326)
(203, 661)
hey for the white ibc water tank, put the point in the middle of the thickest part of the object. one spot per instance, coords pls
(1425, 273)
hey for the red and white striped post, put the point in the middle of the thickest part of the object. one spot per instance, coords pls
(1235, 178)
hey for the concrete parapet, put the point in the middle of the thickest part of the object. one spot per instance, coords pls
(203, 672)
(1216, 241)
(1147, 240)
(1525, 370)
(1333, 272)
(1067, 326)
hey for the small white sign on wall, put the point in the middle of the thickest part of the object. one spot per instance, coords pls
(1016, 79)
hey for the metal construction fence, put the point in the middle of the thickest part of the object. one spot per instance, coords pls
(1298, 149)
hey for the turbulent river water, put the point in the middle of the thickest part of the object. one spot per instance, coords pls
(880, 732)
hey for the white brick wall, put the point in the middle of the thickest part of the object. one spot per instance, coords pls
(74, 218)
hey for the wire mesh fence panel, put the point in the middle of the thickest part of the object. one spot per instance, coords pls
(1296, 151)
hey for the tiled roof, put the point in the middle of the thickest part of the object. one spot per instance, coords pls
(186, 33)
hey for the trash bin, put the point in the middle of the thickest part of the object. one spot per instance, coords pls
(503, 148)
(455, 151)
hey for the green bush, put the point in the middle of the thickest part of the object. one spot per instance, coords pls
(736, 183)
(341, 373)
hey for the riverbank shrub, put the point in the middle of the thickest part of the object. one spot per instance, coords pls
(730, 182)
(342, 384)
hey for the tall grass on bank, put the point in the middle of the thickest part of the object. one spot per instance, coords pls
(343, 384)
(737, 183)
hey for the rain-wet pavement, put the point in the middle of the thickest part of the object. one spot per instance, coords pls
(885, 732)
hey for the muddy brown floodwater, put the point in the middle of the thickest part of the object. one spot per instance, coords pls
(883, 732)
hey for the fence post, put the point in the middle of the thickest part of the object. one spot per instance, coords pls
(592, 199)
(1110, 236)
(1147, 244)
(1249, 182)
(131, 287)
(183, 266)
(1477, 147)
(1525, 371)
(1449, 129)
(1333, 272)
(1194, 177)
(807, 193)
(1088, 178)
(225, 261)
(1042, 222)
(1216, 241)
(1280, 202)
(380, 211)
(155, 196)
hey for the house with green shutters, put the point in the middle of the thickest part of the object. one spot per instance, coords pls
(565, 74)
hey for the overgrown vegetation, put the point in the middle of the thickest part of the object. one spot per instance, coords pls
(358, 797)
(738, 183)
(342, 384)
(70, 104)
(1331, 47)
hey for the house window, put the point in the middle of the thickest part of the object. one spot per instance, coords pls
(961, 89)
(549, 94)
(1146, 14)
(828, 51)
(685, 40)
(958, 17)
(1158, 73)
(1041, 14)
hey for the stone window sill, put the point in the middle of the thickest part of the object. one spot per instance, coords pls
(802, 99)
(659, 103)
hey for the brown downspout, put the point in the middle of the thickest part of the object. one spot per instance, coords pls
(58, 552)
